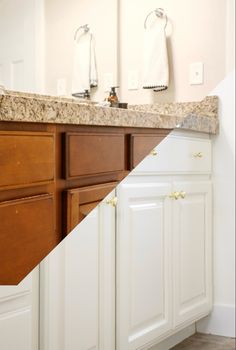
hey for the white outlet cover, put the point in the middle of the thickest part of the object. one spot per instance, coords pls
(196, 73)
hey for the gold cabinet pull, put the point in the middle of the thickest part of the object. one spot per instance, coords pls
(153, 152)
(182, 194)
(198, 155)
(177, 195)
(113, 201)
(174, 195)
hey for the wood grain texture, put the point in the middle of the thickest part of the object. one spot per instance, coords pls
(81, 201)
(102, 158)
(206, 342)
(141, 145)
(26, 158)
(26, 234)
(94, 154)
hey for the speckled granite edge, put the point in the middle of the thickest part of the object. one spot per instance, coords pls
(197, 116)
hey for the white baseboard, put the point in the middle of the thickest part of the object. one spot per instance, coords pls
(175, 339)
(220, 322)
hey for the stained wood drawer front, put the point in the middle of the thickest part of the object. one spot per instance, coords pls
(90, 154)
(80, 201)
(179, 155)
(26, 235)
(26, 158)
(141, 145)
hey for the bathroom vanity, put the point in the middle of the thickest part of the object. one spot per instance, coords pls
(59, 159)
(138, 268)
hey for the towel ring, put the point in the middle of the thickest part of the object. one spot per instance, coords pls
(160, 13)
(85, 28)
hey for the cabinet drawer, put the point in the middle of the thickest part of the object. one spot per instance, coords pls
(141, 145)
(26, 158)
(91, 154)
(26, 235)
(179, 155)
(80, 202)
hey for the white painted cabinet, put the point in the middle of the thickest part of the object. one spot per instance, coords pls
(192, 270)
(19, 314)
(126, 279)
(164, 238)
(78, 287)
(143, 268)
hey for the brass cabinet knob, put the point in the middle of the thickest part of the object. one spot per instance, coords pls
(174, 195)
(198, 155)
(177, 195)
(113, 201)
(182, 194)
(153, 152)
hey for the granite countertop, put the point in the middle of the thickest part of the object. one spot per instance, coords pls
(25, 107)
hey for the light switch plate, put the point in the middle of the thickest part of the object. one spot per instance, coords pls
(133, 80)
(196, 73)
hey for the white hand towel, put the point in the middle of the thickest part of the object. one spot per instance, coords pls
(156, 67)
(84, 66)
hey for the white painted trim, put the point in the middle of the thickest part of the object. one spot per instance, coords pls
(221, 321)
(175, 339)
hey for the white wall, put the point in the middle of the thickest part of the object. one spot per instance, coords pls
(222, 320)
(196, 32)
(62, 19)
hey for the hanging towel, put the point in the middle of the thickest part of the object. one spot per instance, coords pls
(156, 67)
(84, 67)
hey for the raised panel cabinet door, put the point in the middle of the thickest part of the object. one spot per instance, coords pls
(192, 256)
(143, 264)
(78, 284)
(27, 235)
(19, 314)
(81, 201)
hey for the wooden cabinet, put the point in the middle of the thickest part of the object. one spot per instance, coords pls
(89, 154)
(142, 144)
(80, 202)
(27, 231)
(51, 177)
(155, 255)
(26, 159)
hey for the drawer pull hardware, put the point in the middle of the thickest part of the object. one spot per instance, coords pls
(153, 152)
(182, 194)
(113, 201)
(174, 195)
(198, 155)
(177, 195)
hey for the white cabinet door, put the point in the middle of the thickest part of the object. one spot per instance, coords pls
(19, 314)
(192, 251)
(79, 287)
(143, 263)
